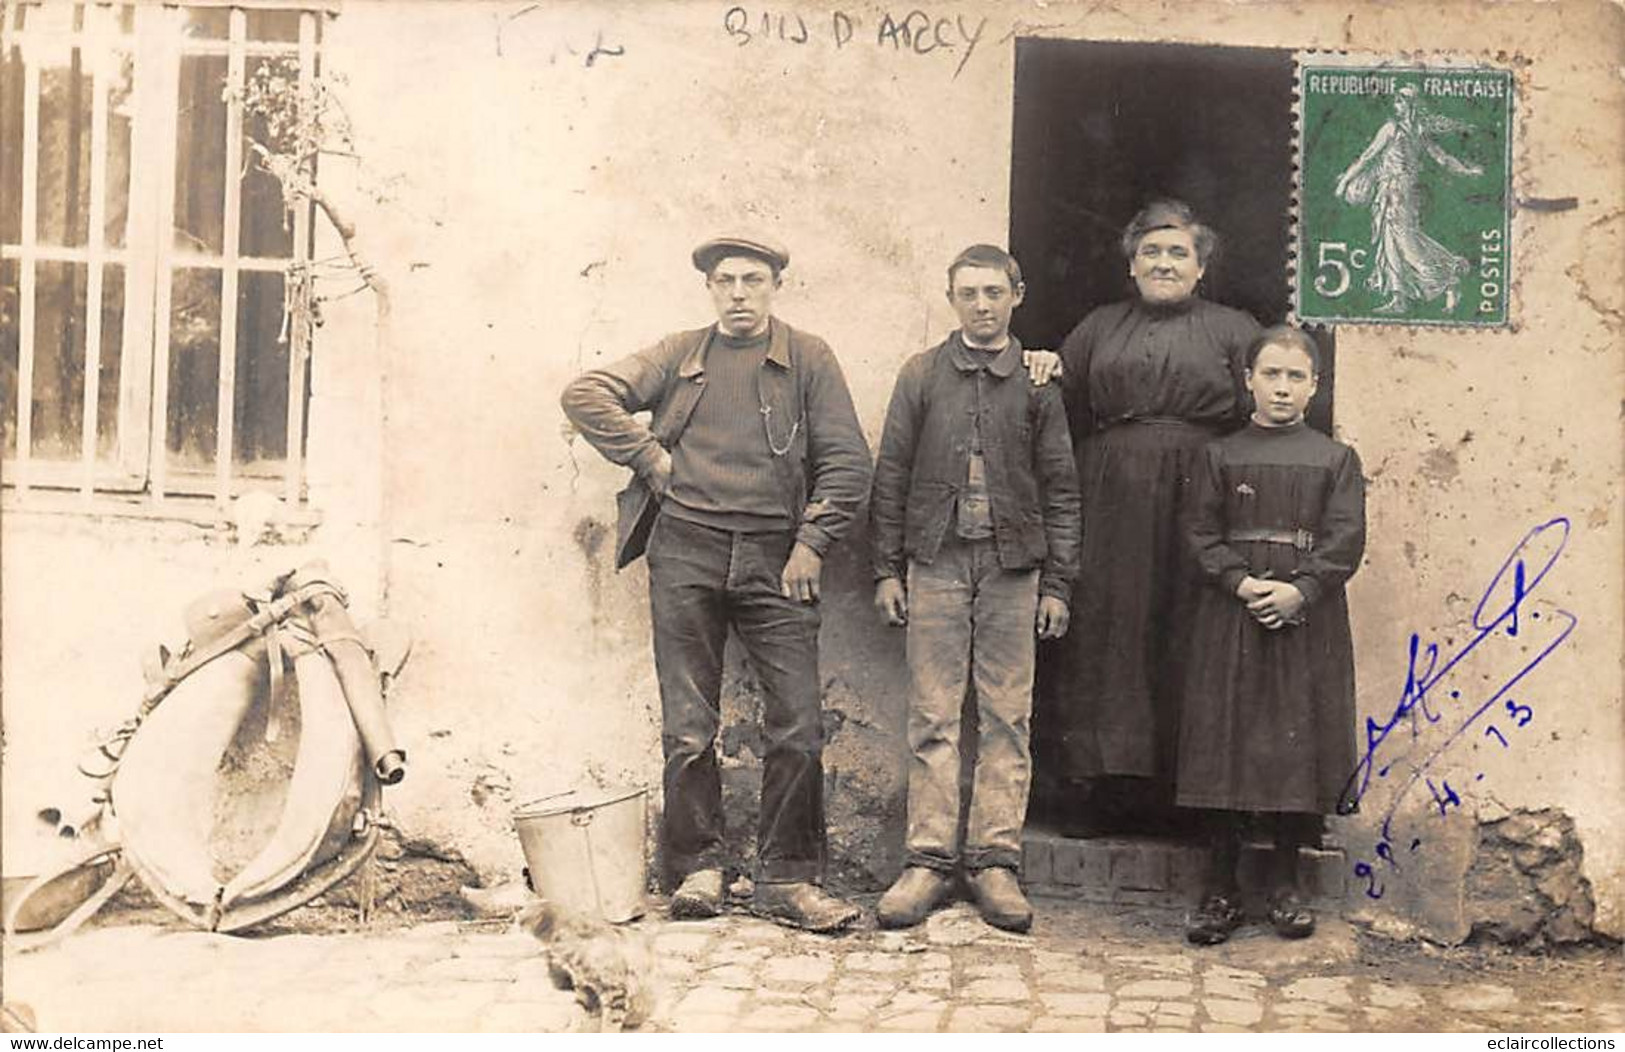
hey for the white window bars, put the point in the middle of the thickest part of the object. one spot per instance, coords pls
(153, 334)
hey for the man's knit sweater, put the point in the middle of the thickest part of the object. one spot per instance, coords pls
(723, 474)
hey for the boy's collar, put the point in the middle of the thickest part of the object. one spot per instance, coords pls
(969, 359)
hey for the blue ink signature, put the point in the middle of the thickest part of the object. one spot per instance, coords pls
(1420, 679)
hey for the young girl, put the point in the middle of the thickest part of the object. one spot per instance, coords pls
(1267, 721)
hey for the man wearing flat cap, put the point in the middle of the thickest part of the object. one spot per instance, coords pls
(752, 466)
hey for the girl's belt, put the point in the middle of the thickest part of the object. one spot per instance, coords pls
(1302, 540)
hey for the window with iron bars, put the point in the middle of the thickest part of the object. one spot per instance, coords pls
(154, 283)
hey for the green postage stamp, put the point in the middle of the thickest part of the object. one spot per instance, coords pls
(1404, 193)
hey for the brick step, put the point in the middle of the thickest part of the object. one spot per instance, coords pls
(1158, 872)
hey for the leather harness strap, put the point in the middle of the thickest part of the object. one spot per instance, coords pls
(297, 617)
(269, 614)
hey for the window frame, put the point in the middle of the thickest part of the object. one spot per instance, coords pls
(140, 472)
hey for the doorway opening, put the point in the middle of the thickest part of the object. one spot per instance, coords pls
(1100, 129)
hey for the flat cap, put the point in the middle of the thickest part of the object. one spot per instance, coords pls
(763, 248)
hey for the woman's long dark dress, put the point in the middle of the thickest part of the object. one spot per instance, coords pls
(1146, 388)
(1267, 722)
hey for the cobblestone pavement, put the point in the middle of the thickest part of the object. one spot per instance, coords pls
(1084, 968)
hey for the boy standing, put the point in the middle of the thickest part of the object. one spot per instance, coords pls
(976, 524)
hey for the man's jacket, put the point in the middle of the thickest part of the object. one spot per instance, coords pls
(807, 420)
(925, 451)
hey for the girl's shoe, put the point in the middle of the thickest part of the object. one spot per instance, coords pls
(1213, 922)
(1290, 917)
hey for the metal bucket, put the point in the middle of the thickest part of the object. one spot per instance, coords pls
(585, 850)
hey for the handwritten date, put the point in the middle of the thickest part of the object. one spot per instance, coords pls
(1500, 613)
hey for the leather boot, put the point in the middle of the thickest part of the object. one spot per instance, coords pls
(998, 896)
(699, 896)
(911, 898)
(803, 905)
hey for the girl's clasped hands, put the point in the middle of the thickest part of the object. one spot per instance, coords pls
(1273, 604)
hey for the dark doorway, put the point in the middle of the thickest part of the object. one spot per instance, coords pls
(1102, 128)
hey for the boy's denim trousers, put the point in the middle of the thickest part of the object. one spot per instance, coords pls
(969, 619)
(701, 580)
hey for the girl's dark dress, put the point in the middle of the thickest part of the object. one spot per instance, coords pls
(1267, 722)
(1147, 387)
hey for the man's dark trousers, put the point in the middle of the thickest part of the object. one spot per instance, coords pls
(701, 580)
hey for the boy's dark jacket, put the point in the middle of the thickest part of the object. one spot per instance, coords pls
(925, 451)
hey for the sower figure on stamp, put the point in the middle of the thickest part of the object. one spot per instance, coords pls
(756, 466)
(1267, 723)
(975, 516)
(1406, 263)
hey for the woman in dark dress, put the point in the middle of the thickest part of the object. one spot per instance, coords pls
(1267, 722)
(1148, 382)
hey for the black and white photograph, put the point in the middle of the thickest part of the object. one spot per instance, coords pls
(683, 517)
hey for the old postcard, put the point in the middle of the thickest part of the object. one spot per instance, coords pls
(986, 516)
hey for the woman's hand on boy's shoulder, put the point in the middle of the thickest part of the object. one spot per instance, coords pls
(1041, 365)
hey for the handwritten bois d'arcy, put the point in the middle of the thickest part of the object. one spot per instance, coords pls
(705, 518)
